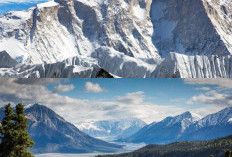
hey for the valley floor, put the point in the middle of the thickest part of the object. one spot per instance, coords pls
(128, 147)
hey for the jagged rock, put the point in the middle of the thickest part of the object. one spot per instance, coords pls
(127, 38)
(6, 61)
(184, 66)
(103, 74)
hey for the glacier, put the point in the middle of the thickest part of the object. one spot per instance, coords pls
(127, 38)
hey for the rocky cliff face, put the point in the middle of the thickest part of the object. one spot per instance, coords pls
(127, 38)
(184, 66)
(185, 27)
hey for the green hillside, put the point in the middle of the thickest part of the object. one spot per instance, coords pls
(216, 147)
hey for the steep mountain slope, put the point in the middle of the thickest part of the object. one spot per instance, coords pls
(215, 147)
(185, 66)
(127, 38)
(166, 131)
(185, 127)
(52, 133)
(212, 126)
(185, 27)
(53, 31)
(112, 128)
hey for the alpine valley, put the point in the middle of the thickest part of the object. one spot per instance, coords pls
(53, 134)
(125, 38)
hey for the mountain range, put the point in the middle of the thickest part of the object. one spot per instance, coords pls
(52, 133)
(126, 38)
(113, 129)
(185, 127)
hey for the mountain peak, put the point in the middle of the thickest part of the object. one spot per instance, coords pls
(186, 114)
(180, 117)
(47, 4)
(27, 106)
(41, 108)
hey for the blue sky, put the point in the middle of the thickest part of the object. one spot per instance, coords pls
(16, 5)
(84, 100)
(161, 91)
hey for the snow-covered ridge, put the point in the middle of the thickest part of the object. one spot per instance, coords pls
(47, 5)
(212, 119)
(185, 127)
(112, 128)
(186, 119)
(135, 38)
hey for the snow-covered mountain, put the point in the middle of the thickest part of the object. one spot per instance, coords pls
(210, 127)
(165, 131)
(52, 133)
(127, 38)
(184, 127)
(113, 129)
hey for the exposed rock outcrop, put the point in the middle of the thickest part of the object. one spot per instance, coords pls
(127, 38)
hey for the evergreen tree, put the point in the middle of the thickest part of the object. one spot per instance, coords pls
(15, 139)
(22, 138)
(6, 132)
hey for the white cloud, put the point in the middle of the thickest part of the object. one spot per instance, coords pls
(95, 88)
(212, 97)
(204, 111)
(13, 92)
(148, 112)
(223, 83)
(204, 88)
(132, 98)
(77, 110)
(63, 88)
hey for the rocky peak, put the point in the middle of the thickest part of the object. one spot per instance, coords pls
(144, 38)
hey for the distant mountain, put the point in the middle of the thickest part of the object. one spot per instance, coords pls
(166, 131)
(215, 147)
(52, 133)
(212, 126)
(112, 128)
(184, 127)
